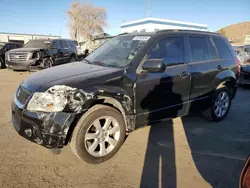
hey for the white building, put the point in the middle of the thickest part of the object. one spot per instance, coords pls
(23, 38)
(155, 24)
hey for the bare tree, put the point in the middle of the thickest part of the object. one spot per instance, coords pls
(86, 20)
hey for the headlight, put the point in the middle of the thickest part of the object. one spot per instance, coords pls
(47, 102)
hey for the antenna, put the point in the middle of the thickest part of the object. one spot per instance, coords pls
(148, 8)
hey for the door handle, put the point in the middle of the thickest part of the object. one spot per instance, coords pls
(184, 74)
(219, 67)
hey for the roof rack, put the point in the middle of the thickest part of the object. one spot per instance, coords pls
(185, 30)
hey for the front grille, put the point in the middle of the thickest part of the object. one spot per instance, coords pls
(22, 95)
(18, 56)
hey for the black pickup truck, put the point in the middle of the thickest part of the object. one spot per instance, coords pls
(130, 81)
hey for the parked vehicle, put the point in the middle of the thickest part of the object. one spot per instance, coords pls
(130, 81)
(245, 175)
(41, 54)
(4, 47)
(243, 54)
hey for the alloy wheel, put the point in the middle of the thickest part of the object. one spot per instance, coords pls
(102, 136)
(221, 104)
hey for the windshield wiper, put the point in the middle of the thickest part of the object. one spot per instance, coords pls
(87, 61)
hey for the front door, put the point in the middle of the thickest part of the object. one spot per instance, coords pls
(164, 95)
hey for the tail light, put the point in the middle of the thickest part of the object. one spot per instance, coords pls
(237, 62)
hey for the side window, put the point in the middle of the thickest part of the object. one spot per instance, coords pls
(222, 48)
(170, 49)
(72, 45)
(57, 44)
(12, 46)
(7, 47)
(212, 50)
(198, 49)
(64, 44)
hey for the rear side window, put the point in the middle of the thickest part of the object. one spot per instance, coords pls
(72, 44)
(222, 47)
(212, 50)
(64, 44)
(199, 49)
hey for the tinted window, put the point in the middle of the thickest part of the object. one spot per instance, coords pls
(12, 46)
(57, 44)
(212, 50)
(72, 44)
(171, 50)
(222, 48)
(64, 44)
(199, 49)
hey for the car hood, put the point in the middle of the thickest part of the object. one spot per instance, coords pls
(77, 74)
(24, 50)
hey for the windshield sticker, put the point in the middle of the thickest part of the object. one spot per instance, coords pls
(144, 38)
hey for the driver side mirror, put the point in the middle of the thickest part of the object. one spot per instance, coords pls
(154, 65)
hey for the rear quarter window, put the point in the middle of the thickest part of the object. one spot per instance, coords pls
(223, 48)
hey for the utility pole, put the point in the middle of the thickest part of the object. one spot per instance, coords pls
(148, 14)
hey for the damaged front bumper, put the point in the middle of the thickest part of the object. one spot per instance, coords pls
(44, 128)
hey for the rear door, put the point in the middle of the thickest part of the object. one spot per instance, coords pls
(204, 65)
(66, 51)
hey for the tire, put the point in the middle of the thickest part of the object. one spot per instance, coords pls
(47, 63)
(72, 59)
(2, 63)
(211, 113)
(80, 144)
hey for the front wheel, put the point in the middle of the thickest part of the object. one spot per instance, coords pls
(220, 105)
(47, 63)
(99, 134)
(2, 63)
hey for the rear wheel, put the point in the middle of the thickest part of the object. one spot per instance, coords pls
(220, 105)
(98, 135)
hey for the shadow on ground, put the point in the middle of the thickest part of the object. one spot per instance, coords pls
(218, 150)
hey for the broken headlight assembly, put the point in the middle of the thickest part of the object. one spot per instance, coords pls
(47, 102)
(57, 99)
(36, 55)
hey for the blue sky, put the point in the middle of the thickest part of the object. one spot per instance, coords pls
(49, 16)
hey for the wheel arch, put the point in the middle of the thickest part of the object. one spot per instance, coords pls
(225, 78)
(108, 101)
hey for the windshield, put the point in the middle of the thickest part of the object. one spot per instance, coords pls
(43, 44)
(117, 52)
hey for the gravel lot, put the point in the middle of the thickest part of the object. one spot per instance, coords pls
(186, 152)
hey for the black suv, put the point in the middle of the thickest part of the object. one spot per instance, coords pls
(4, 47)
(41, 54)
(130, 81)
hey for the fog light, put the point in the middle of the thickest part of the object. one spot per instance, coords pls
(28, 132)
